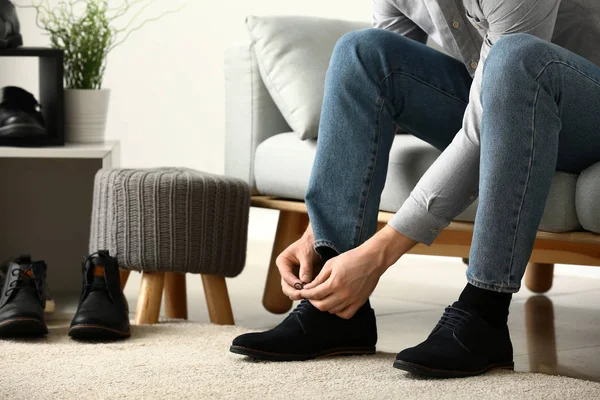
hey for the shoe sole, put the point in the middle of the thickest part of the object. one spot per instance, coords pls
(441, 373)
(22, 327)
(96, 332)
(11, 42)
(267, 356)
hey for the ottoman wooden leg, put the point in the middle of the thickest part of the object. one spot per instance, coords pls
(538, 277)
(290, 228)
(217, 300)
(175, 296)
(150, 297)
(124, 276)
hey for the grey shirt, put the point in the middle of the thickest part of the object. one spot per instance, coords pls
(466, 30)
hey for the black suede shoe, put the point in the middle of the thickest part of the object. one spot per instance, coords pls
(308, 333)
(10, 30)
(462, 344)
(103, 313)
(20, 115)
(23, 299)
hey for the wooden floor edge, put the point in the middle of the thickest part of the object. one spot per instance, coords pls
(275, 203)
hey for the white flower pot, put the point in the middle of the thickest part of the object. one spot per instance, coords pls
(85, 115)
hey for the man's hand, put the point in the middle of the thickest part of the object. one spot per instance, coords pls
(346, 281)
(344, 284)
(301, 256)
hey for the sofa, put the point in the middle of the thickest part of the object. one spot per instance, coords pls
(274, 89)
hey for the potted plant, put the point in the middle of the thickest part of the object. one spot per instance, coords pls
(87, 31)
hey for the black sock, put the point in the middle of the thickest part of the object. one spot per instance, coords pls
(326, 253)
(491, 306)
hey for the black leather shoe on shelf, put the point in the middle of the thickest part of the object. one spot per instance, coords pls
(10, 30)
(103, 313)
(20, 115)
(23, 299)
(308, 333)
(462, 344)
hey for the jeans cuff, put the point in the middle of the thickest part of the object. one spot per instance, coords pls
(325, 243)
(415, 222)
(493, 286)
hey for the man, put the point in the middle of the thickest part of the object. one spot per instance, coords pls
(508, 107)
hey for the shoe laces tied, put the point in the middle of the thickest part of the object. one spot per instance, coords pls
(454, 319)
(19, 283)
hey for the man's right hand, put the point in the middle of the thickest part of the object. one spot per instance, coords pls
(299, 256)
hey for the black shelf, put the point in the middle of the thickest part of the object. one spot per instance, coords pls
(51, 95)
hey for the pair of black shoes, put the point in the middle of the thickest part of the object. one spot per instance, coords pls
(462, 343)
(102, 313)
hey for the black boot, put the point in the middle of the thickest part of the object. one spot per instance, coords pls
(462, 344)
(23, 299)
(10, 30)
(308, 333)
(103, 313)
(20, 115)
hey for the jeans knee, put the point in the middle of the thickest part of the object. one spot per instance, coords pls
(511, 57)
(363, 50)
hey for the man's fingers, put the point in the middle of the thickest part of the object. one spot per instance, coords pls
(328, 303)
(339, 308)
(286, 266)
(322, 277)
(318, 293)
(290, 292)
(305, 270)
(348, 312)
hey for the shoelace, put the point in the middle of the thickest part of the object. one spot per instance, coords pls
(454, 318)
(94, 285)
(18, 284)
(302, 307)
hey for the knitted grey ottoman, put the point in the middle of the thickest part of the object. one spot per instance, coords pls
(168, 222)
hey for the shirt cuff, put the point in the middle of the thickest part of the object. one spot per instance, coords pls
(415, 222)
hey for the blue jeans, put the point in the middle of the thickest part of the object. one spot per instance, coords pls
(540, 114)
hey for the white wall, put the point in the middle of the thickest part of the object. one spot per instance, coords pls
(167, 82)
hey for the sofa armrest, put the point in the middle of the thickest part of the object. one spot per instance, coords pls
(251, 116)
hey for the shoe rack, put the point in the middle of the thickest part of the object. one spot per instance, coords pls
(51, 95)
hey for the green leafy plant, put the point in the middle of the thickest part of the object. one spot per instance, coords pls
(87, 31)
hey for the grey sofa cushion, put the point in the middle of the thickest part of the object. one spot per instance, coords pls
(293, 55)
(588, 198)
(282, 167)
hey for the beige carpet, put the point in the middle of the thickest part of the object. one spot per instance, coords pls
(186, 360)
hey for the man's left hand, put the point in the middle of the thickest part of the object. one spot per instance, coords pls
(345, 282)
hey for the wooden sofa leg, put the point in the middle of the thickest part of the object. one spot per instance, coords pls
(290, 228)
(175, 296)
(217, 300)
(150, 297)
(124, 275)
(538, 277)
